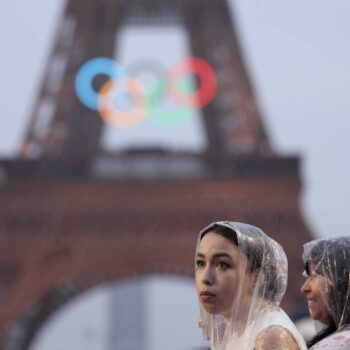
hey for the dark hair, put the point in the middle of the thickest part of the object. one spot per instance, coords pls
(331, 258)
(227, 232)
(255, 255)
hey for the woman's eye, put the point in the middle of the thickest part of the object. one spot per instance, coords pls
(199, 263)
(224, 265)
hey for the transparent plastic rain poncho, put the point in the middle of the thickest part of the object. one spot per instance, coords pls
(255, 307)
(331, 258)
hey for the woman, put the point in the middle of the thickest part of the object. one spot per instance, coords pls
(241, 276)
(327, 289)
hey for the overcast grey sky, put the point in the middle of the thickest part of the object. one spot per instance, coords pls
(300, 63)
(298, 57)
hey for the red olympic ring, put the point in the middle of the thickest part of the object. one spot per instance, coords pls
(208, 82)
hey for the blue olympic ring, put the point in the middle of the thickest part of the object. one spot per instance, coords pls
(83, 81)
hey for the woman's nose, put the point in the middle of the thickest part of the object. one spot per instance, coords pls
(305, 288)
(208, 276)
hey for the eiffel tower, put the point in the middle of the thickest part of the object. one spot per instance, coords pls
(67, 128)
(64, 230)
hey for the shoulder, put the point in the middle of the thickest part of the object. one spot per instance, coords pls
(339, 340)
(275, 337)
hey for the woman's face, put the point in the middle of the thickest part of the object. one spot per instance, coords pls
(314, 289)
(217, 273)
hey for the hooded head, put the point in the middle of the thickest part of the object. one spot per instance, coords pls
(240, 272)
(330, 260)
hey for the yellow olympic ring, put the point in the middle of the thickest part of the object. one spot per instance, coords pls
(122, 119)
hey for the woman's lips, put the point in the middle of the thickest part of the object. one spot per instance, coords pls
(206, 296)
(312, 304)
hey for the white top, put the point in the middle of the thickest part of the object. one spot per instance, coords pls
(336, 341)
(277, 317)
(272, 316)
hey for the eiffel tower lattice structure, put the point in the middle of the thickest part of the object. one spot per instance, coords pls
(66, 228)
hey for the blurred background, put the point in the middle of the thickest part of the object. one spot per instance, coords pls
(296, 57)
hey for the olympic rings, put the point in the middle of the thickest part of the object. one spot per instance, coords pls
(109, 99)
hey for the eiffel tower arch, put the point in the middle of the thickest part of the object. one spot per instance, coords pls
(65, 229)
